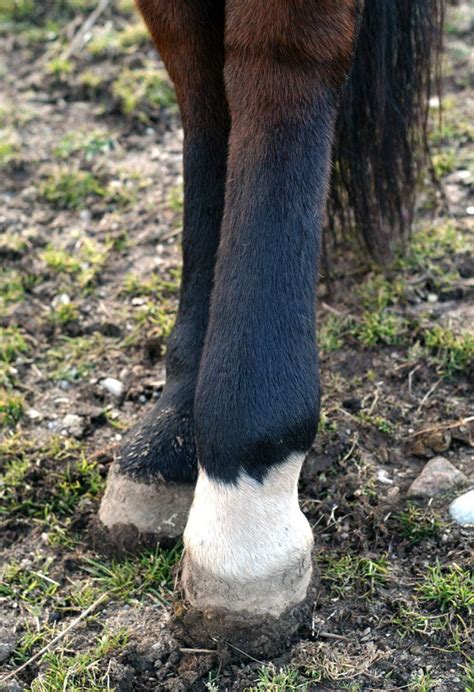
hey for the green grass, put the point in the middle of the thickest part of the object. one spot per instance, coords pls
(150, 574)
(59, 68)
(9, 148)
(69, 189)
(153, 285)
(271, 679)
(444, 162)
(449, 588)
(87, 144)
(382, 327)
(332, 332)
(85, 265)
(417, 523)
(353, 573)
(451, 352)
(141, 92)
(440, 607)
(45, 482)
(12, 407)
(76, 672)
(64, 314)
(13, 286)
(12, 344)
(74, 357)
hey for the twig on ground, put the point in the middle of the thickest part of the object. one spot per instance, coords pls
(443, 426)
(57, 638)
(427, 395)
(86, 26)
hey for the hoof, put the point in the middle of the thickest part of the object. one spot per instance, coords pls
(134, 514)
(259, 619)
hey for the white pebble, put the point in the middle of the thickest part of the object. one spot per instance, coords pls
(113, 386)
(462, 509)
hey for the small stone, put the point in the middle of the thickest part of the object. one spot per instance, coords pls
(33, 414)
(6, 649)
(74, 425)
(113, 386)
(462, 509)
(438, 475)
(60, 299)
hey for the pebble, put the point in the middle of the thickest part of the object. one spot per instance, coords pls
(6, 648)
(60, 299)
(74, 425)
(438, 475)
(33, 414)
(113, 386)
(462, 509)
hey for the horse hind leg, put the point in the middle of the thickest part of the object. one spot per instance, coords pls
(150, 485)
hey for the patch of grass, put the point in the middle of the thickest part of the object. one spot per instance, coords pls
(31, 586)
(444, 162)
(59, 68)
(9, 149)
(86, 670)
(430, 244)
(422, 682)
(13, 285)
(271, 679)
(141, 92)
(417, 523)
(45, 482)
(378, 292)
(449, 588)
(12, 407)
(12, 344)
(354, 573)
(69, 189)
(88, 144)
(331, 333)
(154, 319)
(468, 675)
(149, 575)
(382, 327)
(16, 10)
(85, 266)
(64, 314)
(134, 35)
(76, 356)
(153, 285)
(450, 351)
(381, 423)
(60, 261)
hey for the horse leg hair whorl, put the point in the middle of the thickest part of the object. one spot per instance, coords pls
(381, 135)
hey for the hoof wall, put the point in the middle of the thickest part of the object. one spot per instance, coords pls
(134, 515)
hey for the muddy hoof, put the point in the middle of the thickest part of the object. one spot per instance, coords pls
(243, 633)
(134, 515)
(257, 618)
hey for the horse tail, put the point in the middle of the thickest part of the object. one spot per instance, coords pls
(381, 133)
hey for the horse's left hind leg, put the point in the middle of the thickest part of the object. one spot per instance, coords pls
(150, 486)
(247, 544)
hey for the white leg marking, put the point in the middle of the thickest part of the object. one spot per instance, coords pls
(249, 531)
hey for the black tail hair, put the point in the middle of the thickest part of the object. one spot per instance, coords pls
(381, 133)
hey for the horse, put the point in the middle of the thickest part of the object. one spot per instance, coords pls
(297, 115)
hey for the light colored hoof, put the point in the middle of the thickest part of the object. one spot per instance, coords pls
(146, 513)
(269, 596)
(257, 619)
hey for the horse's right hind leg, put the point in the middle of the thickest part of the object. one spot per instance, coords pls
(150, 485)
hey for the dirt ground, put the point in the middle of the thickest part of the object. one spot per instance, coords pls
(90, 223)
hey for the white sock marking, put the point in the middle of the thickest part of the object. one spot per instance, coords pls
(249, 530)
